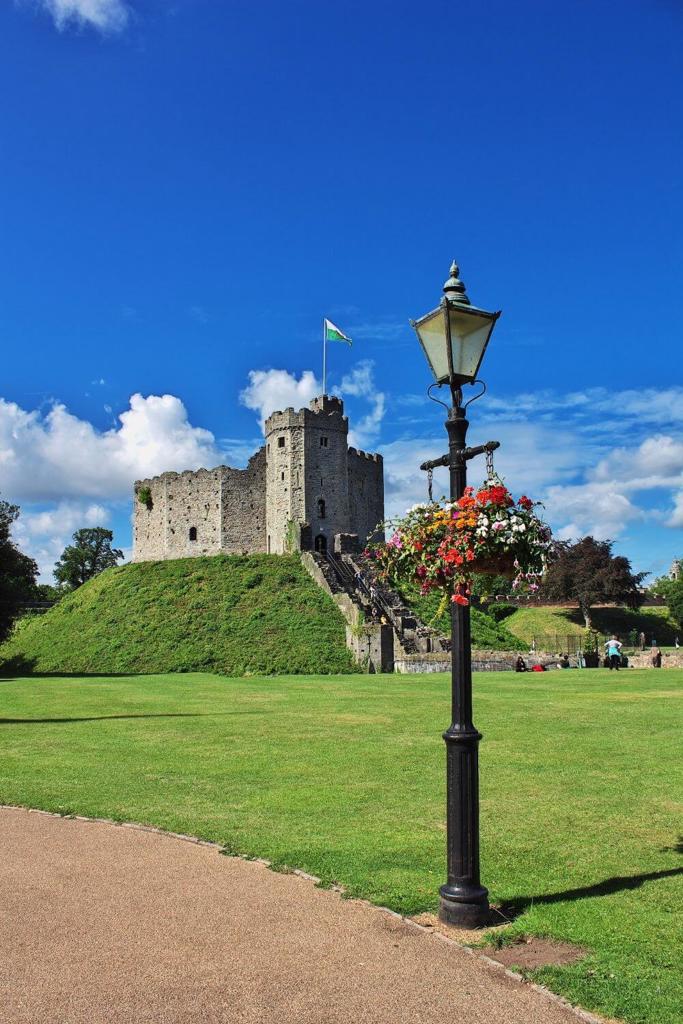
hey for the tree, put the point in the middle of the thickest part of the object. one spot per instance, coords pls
(674, 600)
(17, 571)
(588, 572)
(664, 586)
(90, 553)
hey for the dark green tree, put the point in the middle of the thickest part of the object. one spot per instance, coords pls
(90, 553)
(674, 600)
(587, 572)
(17, 571)
(47, 592)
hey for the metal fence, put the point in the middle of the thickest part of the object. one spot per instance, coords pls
(557, 643)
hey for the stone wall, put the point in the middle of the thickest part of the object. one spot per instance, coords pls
(327, 491)
(243, 507)
(183, 518)
(308, 479)
(366, 493)
(150, 521)
(670, 659)
(285, 490)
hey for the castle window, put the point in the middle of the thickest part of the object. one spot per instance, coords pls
(280, 442)
(321, 509)
(193, 533)
(323, 442)
(282, 476)
(320, 543)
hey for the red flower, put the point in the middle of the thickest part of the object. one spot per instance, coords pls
(525, 502)
(459, 599)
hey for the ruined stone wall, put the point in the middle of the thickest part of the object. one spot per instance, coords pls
(243, 507)
(150, 521)
(366, 493)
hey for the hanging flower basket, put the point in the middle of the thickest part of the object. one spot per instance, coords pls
(443, 545)
(496, 565)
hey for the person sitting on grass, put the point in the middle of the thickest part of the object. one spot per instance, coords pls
(564, 661)
(656, 656)
(520, 664)
(613, 653)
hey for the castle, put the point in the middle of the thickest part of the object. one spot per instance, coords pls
(298, 492)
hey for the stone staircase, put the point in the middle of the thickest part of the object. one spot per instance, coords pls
(381, 629)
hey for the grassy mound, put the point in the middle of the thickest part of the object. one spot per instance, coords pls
(230, 614)
(545, 621)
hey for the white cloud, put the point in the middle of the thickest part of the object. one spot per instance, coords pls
(104, 15)
(596, 509)
(601, 505)
(272, 390)
(44, 535)
(657, 462)
(360, 383)
(59, 456)
(601, 407)
(676, 518)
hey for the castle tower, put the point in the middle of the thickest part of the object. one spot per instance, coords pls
(297, 493)
(307, 476)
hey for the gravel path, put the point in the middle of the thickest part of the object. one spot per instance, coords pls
(101, 923)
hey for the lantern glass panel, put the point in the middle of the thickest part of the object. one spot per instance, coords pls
(470, 332)
(431, 330)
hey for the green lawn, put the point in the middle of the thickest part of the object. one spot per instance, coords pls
(343, 776)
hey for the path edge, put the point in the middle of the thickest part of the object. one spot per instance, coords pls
(579, 1013)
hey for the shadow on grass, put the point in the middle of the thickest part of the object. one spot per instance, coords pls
(10, 671)
(517, 906)
(105, 718)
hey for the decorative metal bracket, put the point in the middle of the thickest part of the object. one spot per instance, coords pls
(465, 455)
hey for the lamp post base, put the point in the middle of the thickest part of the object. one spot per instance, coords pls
(465, 907)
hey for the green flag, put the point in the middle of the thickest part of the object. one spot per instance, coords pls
(333, 333)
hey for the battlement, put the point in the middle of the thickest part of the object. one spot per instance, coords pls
(327, 403)
(370, 456)
(218, 472)
(327, 406)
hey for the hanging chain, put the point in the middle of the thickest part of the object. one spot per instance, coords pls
(430, 477)
(490, 471)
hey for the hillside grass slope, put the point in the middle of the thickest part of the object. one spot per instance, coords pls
(226, 613)
(526, 623)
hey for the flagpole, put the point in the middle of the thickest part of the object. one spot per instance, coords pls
(324, 357)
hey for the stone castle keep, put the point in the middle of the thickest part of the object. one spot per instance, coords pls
(300, 490)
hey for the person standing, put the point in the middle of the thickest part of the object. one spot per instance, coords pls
(613, 653)
(656, 657)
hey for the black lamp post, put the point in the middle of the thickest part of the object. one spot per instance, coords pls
(454, 338)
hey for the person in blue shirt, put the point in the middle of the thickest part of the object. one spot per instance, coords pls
(613, 653)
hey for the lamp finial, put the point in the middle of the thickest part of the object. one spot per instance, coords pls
(454, 287)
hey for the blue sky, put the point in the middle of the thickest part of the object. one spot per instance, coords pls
(188, 187)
